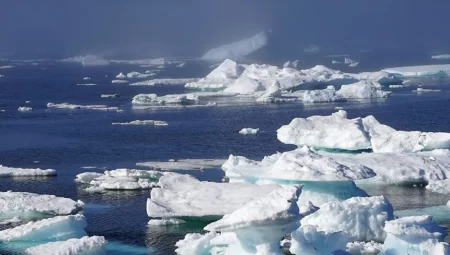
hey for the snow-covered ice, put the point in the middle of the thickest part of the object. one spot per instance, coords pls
(165, 81)
(238, 49)
(24, 109)
(308, 240)
(25, 172)
(417, 71)
(364, 248)
(362, 90)
(362, 217)
(94, 245)
(439, 186)
(137, 75)
(195, 244)
(415, 235)
(249, 131)
(142, 123)
(219, 78)
(83, 107)
(23, 203)
(153, 99)
(162, 222)
(183, 164)
(52, 229)
(176, 197)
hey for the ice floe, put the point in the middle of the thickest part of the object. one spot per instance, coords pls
(196, 244)
(142, 123)
(25, 204)
(249, 131)
(309, 240)
(165, 81)
(338, 132)
(238, 49)
(25, 109)
(121, 76)
(418, 71)
(350, 62)
(361, 217)
(137, 75)
(119, 81)
(176, 197)
(25, 172)
(6, 67)
(47, 230)
(86, 78)
(443, 56)
(362, 90)
(422, 90)
(82, 107)
(364, 248)
(162, 222)
(94, 245)
(87, 60)
(183, 164)
(109, 95)
(293, 64)
(415, 235)
(86, 84)
(223, 75)
(153, 99)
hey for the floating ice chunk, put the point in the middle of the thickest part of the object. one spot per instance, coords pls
(181, 65)
(10, 221)
(415, 71)
(109, 95)
(94, 245)
(398, 86)
(249, 131)
(28, 203)
(443, 56)
(245, 85)
(165, 81)
(335, 131)
(162, 222)
(422, 90)
(84, 107)
(219, 78)
(87, 177)
(147, 62)
(86, 84)
(24, 109)
(364, 248)
(86, 78)
(384, 78)
(121, 76)
(137, 75)
(177, 198)
(293, 64)
(184, 164)
(439, 186)
(153, 99)
(124, 172)
(87, 60)
(362, 217)
(195, 244)
(307, 240)
(6, 67)
(354, 64)
(323, 95)
(52, 229)
(238, 49)
(261, 224)
(398, 168)
(416, 235)
(363, 89)
(335, 62)
(119, 81)
(349, 61)
(143, 122)
(25, 172)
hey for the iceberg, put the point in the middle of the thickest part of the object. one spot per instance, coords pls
(422, 90)
(24, 109)
(82, 107)
(109, 95)
(94, 245)
(364, 248)
(419, 71)
(142, 123)
(238, 49)
(58, 228)
(137, 75)
(183, 164)
(363, 218)
(121, 76)
(165, 81)
(443, 56)
(307, 240)
(415, 235)
(176, 198)
(118, 81)
(24, 204)
(362, 90)
(290, 64)
(25, 172)
(260, 224)
(195, 244)
(249, 131)
(319, 96)
(153, 99)
(87, 60)
(219, 78)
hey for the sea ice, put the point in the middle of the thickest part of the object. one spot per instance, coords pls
(86, 84)
(6, 67)
(94, 245)
(87, 60)
(121, 76)
(364, 248)
(238, 49)
(86, 78)
(119, 81)
(183, 164)
(363, 89)
(57, 228)
(109, 95)
(443, 56)
(319, 96)
(422, 90)
(18, 203)
(25, 172)
(143, 122)
(362, 217)
(439, 186)
(162, 222)
(219, 78)
(137, 75)
(415, 235)
(260, 224)
(177, 198)
(24, 109)
(165, 81)
(153, 99)
(84, 107)
(196, 244)
(249, 131)
(417, 71)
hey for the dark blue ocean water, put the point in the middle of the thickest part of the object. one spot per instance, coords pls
(67, 140)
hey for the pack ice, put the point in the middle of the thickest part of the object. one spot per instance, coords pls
(338, 132)
(176, 197)
(93, 245)
(25, 172)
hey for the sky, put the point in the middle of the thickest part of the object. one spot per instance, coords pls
(188, 28)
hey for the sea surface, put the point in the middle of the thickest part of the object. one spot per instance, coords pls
(71, 140)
